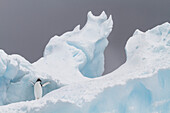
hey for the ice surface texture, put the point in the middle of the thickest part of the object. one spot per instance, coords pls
(141, 85)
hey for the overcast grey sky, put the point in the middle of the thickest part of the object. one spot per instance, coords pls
(27, 25)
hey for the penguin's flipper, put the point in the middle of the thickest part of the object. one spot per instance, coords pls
(32, 82)
(45, 84)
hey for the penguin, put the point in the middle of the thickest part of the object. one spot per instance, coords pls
(38, 88)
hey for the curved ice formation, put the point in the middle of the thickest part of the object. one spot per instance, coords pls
(67, 59)
(83, 50)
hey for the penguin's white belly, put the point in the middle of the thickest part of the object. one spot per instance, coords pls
(37, 90)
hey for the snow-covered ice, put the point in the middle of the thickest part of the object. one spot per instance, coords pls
(74, 63)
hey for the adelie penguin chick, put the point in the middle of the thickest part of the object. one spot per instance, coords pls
(38, 88)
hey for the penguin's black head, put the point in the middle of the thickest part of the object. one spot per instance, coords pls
(38, 80)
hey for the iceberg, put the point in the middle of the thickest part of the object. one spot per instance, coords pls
(74, 63)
